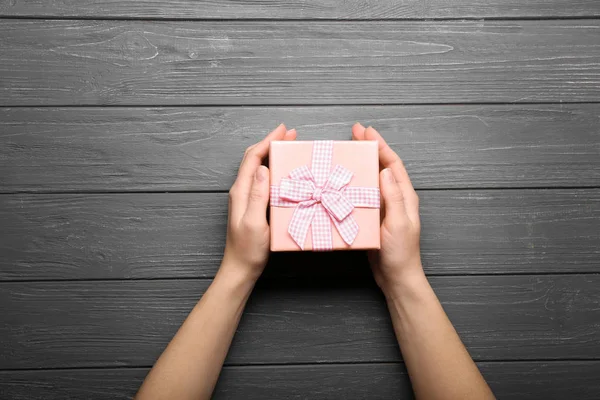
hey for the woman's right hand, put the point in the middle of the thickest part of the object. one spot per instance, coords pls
(399, 261)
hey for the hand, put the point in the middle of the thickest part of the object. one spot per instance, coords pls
(399, 259)
(248, 235)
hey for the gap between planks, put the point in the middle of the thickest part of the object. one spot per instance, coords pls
(126, 192)
(297, 365)
(408, 19)
(301, 105)
(283, 279)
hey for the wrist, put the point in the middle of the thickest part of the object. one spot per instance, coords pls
(236, 275)
(229, 290)
(411, 284)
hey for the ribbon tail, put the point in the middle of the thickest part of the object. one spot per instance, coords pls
(275, 199)
(301, 220)
(322, 239)
(348, 229)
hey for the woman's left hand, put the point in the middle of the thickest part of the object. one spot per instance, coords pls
(248, 234)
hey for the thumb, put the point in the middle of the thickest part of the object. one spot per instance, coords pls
(393, 199)
(258, 198)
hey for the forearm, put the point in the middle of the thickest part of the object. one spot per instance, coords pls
(190, 366)
(438, 363)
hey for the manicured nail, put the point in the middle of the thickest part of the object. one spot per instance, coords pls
(388, 176)
(261, 174)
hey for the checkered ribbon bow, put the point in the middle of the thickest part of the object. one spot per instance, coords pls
(322, 197)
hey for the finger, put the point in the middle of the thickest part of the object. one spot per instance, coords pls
(290, 135)
(358, 131)
(258, 199)
(261, 148)
(389, 159)
(251, 161)
(393, 199)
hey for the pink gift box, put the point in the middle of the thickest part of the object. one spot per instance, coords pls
(338, 182)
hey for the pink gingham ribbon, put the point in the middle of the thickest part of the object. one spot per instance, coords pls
(322, 197)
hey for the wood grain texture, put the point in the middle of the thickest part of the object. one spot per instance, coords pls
(121, 323)
(70, 62)
(122, 236)
(554, 380)
(162, 149)
(309, 9)
(112, 236)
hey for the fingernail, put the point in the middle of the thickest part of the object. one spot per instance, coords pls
(291, 131)
(261, 174)
(388, 176)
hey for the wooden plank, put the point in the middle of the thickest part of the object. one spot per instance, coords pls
(149, 149)
(523, 380)
(304, 9)
(124, 323)
(112, 236)
(104, 384)
(122, 236)
(547, 380)
(74, 62)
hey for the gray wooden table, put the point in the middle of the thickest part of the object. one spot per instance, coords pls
(122, 124)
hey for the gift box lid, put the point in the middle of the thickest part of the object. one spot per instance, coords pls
(359, 158)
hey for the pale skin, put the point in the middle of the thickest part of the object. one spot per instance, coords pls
(438, 363)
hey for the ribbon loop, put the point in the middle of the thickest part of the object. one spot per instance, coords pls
(302, 174)
(296, 190)
(337, 204)
(339, 178)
